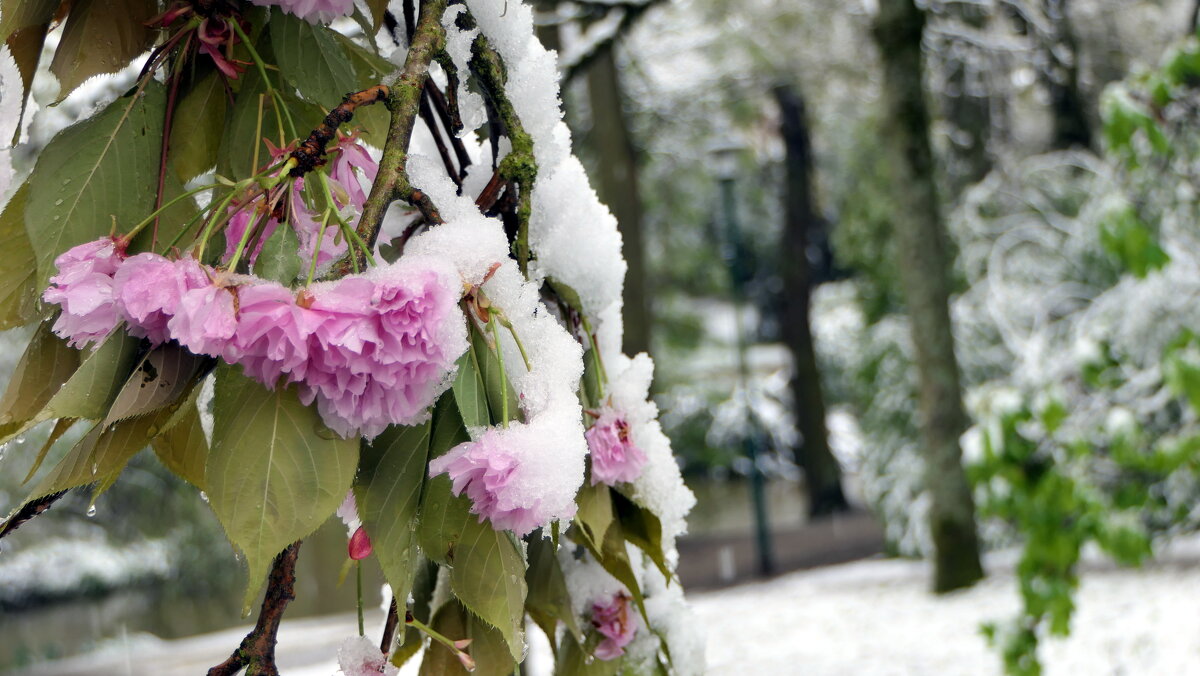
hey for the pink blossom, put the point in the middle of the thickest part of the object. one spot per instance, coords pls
(360, 656)
(615, 458)
(205, 320)
(312, 11)
(271, 339)
(617, 623)
(147, 289)
(215, 37)
(83, 288)
(308, 229)
(348, 513)
(352, 157)
(484, 470)
(236, 229)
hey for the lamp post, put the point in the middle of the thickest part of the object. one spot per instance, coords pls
(725, 153)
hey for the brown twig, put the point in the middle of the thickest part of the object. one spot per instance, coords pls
(257, 651)
(311, 153)
(431, 123)
(389, 627)
(28, 511)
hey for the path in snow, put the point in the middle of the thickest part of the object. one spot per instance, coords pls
(863, 618)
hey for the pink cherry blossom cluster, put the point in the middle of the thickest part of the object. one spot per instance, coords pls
(312, 11)
(615, 458)
(617, 623)
(371, 350)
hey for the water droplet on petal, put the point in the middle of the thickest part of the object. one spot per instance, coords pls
(91, 511)
(204, 496)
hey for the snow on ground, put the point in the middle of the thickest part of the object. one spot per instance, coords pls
(865, 618)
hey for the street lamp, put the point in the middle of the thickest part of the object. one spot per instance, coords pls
(726, 153)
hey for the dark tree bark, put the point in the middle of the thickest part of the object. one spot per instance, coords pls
(617, 185)
(823, 476)
(921, 244)
(1060, 74)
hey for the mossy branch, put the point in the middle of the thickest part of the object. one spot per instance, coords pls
(404, 100)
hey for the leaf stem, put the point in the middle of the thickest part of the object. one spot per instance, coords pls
(154, 214)
(262, 71)
(359, 582)
(312, 265)
(493, 325)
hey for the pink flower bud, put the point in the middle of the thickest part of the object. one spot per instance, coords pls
(360, 545)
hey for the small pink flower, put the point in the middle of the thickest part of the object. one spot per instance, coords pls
(312, 11)
(308, 229)
(83, 288)
(351, 159)
(484, 470)
(615, 458)
(147, 289)
(617, 623)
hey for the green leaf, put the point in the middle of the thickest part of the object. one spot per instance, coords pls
(18, 295)
(160, 379)
(272, 477)
(310, 59)
(575, 660)
(487, 646)
(90, 389)
(103, 167)
(279, 259)
(101, 36)
(60, 428)
(442, 514)
(182, 448)
(595, 515)
(197, 127)
(388, 493)
(469, 392)
(495, 382)
(243, 135)
(549, 600)
(23, 26)
(489, 578)
(642, 528)
(47, 363)
(378, 8)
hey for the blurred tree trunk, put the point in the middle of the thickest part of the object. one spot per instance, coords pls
(617, 184)
(921, 244)
(823, 476)
(1060, 74)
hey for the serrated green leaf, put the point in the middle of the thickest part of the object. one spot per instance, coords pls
(595, 515)
(182, 448)
(243, 134)
(549, 600)
(162, 376)
(272, 477)
(23, 26)
(90, 389)
(197, 127)
(103, 167)
(489, 578)
(469, 392)
(310, 59)
(279, 259)
(612, 554)
(18, 296)
(60, 428)
(487, 647)
(442, 514)
(378, 8)
(101, 36)
(388, 494)
(47, 363)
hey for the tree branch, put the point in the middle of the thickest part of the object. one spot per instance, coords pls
(257, 651)
(404, 101)
(28, 511)
(311, 153)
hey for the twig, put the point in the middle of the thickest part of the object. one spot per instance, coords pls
(311, 153)
(28, 511)
(257, 651)
(431, 123)
(389, 627)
